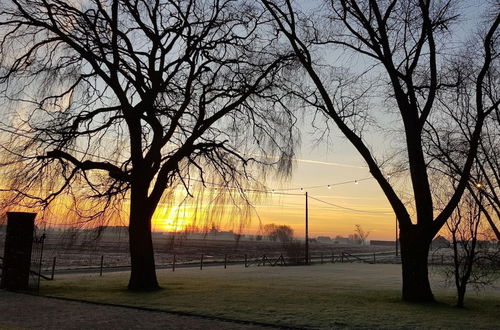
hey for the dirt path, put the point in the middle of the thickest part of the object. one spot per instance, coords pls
(34, 312)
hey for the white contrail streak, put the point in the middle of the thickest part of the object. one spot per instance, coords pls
(328, 163)
(310, 161)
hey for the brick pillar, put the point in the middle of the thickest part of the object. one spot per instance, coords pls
(17, 252)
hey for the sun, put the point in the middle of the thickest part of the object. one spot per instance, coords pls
(173, 219)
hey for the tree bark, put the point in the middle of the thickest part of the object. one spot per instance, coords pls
(461, 297)
(143, 271)
(415, 244)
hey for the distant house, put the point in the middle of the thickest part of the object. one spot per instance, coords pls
(382, 243)
(440, 242)
(215, 234)
(485, 244)
(342, 240)
(324, 239)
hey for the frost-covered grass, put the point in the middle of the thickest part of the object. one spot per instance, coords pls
(320, 296)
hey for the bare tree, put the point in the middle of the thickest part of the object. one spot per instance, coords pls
(487, 178)
(485, 181)
(133, 98)
(473, 262)
(403, 44)
(270, 231)
(360, 235)
(447, 140)
(282, 233)
(285, 234)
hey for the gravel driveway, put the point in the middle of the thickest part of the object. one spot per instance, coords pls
(34, 312)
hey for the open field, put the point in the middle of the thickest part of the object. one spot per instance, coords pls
(321, 296)
(83, 251)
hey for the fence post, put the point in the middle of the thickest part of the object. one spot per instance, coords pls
(374, 260)
(53, 268)
(342, 257)
(102, 263)
(173, 264)
(225, 261)
(201, 262)
(333, 258)
(41, 260)
(246, 265)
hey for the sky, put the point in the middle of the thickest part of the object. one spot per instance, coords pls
(333, 211)
(349, 203)
(336, 161)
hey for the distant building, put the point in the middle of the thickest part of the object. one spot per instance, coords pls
(325, 239)
(485, 244)
(112, 230)
(440, 242)
(382, 243)
(214, 234)
(342, 240)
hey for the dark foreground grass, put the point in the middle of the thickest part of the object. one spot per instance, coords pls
(322, 296)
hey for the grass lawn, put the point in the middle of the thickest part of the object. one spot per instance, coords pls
(319, 296)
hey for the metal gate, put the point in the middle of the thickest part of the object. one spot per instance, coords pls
(36, 261)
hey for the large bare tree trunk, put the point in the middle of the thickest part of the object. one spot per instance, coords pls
(415, 244)
(143, 272)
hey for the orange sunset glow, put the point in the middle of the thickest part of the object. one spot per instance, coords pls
(348, 197)
(348, 204)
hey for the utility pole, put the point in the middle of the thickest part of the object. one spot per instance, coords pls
(307, 230)
(397, 236)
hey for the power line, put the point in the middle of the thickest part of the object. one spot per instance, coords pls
(348, 208)
(301, 188)
(269, 190)
(325, 185)
(277, 191)
(329, 186)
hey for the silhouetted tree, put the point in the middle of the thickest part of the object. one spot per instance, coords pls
(403, 46)
(133, 98)
(473, 264)
(270, 231)
(485, 183)
(282, 233)
(446, 148)
(360, 236)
